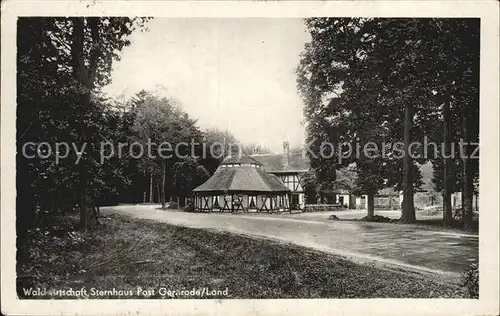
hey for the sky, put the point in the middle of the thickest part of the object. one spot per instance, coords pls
(231, 74)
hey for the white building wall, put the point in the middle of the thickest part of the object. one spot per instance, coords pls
(302, 200)
(346, 199)
(361, 202)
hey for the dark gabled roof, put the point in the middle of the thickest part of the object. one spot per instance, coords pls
(297, 162)
(240, 159)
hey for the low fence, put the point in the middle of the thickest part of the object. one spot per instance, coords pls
(322, 207)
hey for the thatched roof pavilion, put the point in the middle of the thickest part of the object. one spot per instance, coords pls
(240, 183)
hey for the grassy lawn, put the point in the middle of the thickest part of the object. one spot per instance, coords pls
(127, 253)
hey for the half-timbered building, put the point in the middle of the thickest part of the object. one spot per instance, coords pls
(241, 184)
(290, 166)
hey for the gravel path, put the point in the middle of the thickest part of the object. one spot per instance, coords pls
(394, 246)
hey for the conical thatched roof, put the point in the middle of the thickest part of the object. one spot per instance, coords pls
(239, 174)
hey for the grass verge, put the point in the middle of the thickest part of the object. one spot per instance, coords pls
(128, 254)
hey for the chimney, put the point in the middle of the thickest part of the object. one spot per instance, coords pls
(286, 154)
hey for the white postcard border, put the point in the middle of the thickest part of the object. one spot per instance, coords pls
(488, 11)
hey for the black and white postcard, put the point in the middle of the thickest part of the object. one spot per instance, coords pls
(250, 158)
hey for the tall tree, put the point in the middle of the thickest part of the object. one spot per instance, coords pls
(62, 63)
(468, 98)
(218, 144)
(187, 175)
(456, 85)
(161, 125)
(409, 76)
(356, 77)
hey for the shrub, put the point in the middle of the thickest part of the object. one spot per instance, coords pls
(432, 210)
(377, 219)
(173, 206)
(189, 208)
(322, 207)
(470, 278)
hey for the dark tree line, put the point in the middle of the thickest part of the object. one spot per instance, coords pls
(165, 174)
(62, 65)
(394, 81)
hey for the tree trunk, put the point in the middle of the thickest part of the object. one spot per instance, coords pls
(468, 176)
(79, 74)
(144, 197)
(88, 213)
(370, 205)
(158, 189)
(77, 61)
(447, 210)
(151, 188)
(408, 211)
(162, 197)
(83, 215)
(85, 76)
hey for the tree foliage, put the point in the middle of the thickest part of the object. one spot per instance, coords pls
(385, 81)
(170, 135)
(62, 64)
(187, 175)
